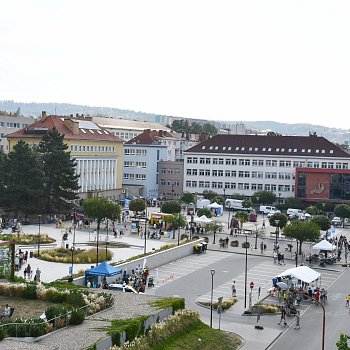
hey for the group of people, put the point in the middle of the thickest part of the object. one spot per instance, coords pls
(278, 257)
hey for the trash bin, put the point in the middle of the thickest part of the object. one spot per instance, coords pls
(31, 254)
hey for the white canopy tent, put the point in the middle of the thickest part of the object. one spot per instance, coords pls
(324, 245)
(214, 205)
(203, 219)
(302, 273)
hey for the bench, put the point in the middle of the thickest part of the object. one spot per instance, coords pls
(272, 233)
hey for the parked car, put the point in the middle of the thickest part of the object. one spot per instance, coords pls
(122, 288)
(336, 221)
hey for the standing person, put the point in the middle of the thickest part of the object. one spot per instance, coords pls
(274, 256)
(263, 224)
(297, 320)
(37, 274)
(234, 289)
(283, 317)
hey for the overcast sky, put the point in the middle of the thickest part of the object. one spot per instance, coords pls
(285, 61)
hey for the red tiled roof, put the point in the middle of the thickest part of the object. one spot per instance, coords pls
(35, 130)
(149, 137)
(270, 145)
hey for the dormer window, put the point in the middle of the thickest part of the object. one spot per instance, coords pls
(331, 151)
(269, 149)
(203, 147)
(92, 132)
(277, 149)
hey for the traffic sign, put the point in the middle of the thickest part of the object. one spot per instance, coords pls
(251, 285)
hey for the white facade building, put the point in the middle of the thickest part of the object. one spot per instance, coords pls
(245, 164)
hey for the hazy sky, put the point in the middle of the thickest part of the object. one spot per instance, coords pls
(241, 60)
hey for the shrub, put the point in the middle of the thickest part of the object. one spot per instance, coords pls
(234, 243)
(77, 316)
(75, 298)
(2, 333)
(183, 236)
(30, 291)
(245, 245)
(54, 311)
(175, 303)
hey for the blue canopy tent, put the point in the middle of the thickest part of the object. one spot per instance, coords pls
(103, 270)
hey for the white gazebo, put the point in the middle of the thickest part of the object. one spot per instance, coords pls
(302, 273)
(202, 219)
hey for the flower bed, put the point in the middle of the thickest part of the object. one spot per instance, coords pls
(27, 239)
(80, 256)
(72, 307)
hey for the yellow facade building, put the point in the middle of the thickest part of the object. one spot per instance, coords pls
(98, 152)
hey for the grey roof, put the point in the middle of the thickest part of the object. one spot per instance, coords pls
(312, 145)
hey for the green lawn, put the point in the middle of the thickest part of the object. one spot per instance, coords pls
(25, 308)
(200, 337)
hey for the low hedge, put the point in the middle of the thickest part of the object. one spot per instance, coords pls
(175, 303)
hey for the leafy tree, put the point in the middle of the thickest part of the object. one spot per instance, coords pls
(306, 231)
(264, 197)
(237, 196)
(282, 220)
(242, 217)
(218, 199)
(100, 208)
(137, 205)
(209, 195)
(342, 343)
(177, 221)
(322, 222)
(343, 211)
(293, 202)
(214, 226)
(23, 180)
(188, 197)
(209, 129)
(171, 207)
(313, 210)
(204, 211)
(247, 203)
(180, 125)
(3, 187)
(60, 181)
(195, 128)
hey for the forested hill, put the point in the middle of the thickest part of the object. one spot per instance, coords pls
(34, 109)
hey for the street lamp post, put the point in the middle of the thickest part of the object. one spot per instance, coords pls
(211, 297)
(39, 216)
(72, 249)
(107, 241)
(191, 228)
(229, 214)
(256, 236)
(246, 272)
(277, 230)
(224, 195)
(296, 255)
(145, 230)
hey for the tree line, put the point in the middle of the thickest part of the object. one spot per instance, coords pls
(38, 178)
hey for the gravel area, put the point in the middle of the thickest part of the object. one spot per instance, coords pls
(127, 305)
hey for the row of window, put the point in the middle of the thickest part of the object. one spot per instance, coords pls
(13, 125)
(134, 176)
(240, 173)
(125, 135)
(175, 171)
(267, 149)
(239, 186)
(133, 152)
(128, 164)
(170, 183)
(267, 163)
(87, 148)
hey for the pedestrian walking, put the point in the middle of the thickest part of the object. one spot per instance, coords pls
(263, 224)
(283, 317)
(274, 256)
(37, 274)
(234, 289)
(297, 320)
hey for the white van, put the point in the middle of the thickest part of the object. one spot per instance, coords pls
(266, 209)
(295, 213)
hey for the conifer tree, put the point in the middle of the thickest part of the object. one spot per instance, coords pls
(60, 181)
(23, 180)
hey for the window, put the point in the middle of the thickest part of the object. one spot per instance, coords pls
(241, 173)
(214, 173)
(338, 165)
(162, 182)
(207, 172)
(316, 164)
(200, 184)
(163, 170)
(201, 172)
(214, 185)
(220, 173)
(195, 160)
(188, 183)
(282, 163)
(189, 160)
(170, 170)
(324, 165)
(215, 160)
(228, 161)
(345, 165)
(221, 161)
(177, 171)
(241, 161)
(247, 174)
(234, 161)
(207, 184)
(201, 160)
(207, 161)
